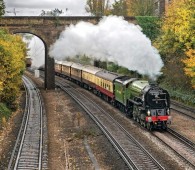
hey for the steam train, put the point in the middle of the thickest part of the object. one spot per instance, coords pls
(146, 103)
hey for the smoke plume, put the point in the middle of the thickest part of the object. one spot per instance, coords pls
(113, 39)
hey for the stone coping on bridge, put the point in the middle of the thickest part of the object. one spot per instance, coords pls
(59, 20)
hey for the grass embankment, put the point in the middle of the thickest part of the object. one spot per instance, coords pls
(181, 95)
(4, 114)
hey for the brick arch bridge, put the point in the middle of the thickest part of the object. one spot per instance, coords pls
(48, 30)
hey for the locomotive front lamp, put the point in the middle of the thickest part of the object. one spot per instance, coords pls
(148, 112)
(168, 112)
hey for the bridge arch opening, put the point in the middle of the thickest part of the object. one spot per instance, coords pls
(38, 51)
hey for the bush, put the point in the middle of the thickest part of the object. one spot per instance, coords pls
(5, 113)
(151, 26)
(12, 65)
(181, 95)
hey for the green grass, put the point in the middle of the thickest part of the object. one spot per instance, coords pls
(182, 95)
(5, 112)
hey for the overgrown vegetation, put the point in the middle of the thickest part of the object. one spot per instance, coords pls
(150, 25)
(183, 95)
(12, 66)
(2, 7)
(4, 114)
(98, 7)
(140, 7)
(121, 7)
(177, 48)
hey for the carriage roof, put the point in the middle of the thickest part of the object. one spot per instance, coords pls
(107, 75)
(77, 66)
(58, 62)
(91, 69)
(67, 63)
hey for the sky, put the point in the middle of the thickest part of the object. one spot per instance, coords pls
(34, 7)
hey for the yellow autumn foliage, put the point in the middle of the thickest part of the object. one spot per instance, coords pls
(177, 41)
(190, 65)
(179, 24)
(140, 7)
(12, 65)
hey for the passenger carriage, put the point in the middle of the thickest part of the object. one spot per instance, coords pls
(58, 67)
(66, 68)
(105, 84)
(89, 77)
(76, 72)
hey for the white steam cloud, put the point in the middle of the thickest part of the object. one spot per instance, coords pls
(113, 39)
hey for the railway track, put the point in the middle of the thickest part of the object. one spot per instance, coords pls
(182, 109)
(27, 153)
(132, 152)
(182, 138)
(181, 146)
(188, 148)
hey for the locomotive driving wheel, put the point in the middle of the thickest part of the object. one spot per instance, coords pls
(135, 113)
(144, 124)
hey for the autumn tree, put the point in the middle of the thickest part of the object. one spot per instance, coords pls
(119, 8)
(177, 41)
(140, 7)
(179, 26)
(56, 12)
(12, 65)
(150, 25)
(2, 8)
(189, 39)
(98, 7)
(190, 65)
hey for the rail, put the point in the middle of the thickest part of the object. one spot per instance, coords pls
(124, 143)
(27, 152)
